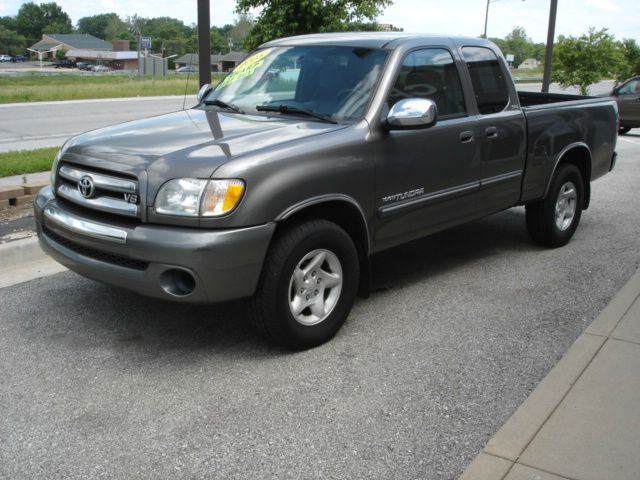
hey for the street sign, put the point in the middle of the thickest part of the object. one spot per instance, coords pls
(145, 42)
(510, 57)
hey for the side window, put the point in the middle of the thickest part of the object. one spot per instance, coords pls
(432, 74)
(490, 86)
(631, 88)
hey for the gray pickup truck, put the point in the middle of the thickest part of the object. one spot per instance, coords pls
(313, 154)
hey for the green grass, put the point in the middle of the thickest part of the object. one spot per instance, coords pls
(39, 87)
(19, 162)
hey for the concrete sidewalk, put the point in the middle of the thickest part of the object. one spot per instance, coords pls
(582, 422)
(18, 180)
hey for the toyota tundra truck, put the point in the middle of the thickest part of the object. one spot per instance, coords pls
(315, 153)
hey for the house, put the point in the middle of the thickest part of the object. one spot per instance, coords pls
(192, 60)
(51, 43)
(127, 60)
(529, 63)
(219, 63)
(229, 61)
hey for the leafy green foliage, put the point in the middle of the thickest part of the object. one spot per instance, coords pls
(520, 45)
(33, 20)
(107, 26)
(584, 60)
(13, 43)
(630, 64)
(282, 18)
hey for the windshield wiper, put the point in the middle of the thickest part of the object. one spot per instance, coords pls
(225, 105)
(289, 109)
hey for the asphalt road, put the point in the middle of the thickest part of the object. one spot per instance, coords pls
(49, 124)
(98, 382)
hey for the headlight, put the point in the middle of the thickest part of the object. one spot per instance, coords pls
(192, 197)
(54, 165)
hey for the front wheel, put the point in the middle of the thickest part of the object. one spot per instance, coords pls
(308, 285)
(553, 221)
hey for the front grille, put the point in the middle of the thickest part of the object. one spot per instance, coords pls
(94, 253)
(109, 192)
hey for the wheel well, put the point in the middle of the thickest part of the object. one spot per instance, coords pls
(350, 219)
(581, 158)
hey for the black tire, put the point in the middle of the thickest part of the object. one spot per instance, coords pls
(623, 130)
(272, 314)
(541, 216)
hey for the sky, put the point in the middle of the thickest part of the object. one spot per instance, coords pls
(453, 17)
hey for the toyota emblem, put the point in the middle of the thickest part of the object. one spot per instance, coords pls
(86, 187)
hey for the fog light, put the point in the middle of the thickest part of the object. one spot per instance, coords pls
(176, 282)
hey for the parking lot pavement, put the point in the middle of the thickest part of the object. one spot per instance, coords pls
(460, 329)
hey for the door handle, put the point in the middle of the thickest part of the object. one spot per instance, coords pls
(491, 132)
(467, 137)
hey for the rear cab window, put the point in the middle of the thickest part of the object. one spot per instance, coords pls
(487, 76)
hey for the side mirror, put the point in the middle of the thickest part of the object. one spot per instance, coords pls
(204, 91)
(412, 113)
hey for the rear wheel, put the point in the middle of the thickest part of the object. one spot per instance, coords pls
(308, 285)
(553, 220)
(623, 130)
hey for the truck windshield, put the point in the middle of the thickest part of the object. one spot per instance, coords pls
(332, 82)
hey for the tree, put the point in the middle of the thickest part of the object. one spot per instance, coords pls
(520, 45)
(630, 60)
(584, 60)
(55, 19)
(33, 20)
(96, 25)
(116, 29)
(13, 43)
(281, 18)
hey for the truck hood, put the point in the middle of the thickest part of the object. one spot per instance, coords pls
(190, 143)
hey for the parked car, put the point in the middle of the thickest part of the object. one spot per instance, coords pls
(5, 58)
(186, 69)
(64, 63)
(19, 58)
(100, 68)
(627, 96)
(283, 190)
(84, 66)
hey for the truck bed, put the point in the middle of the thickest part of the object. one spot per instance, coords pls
(531, 99)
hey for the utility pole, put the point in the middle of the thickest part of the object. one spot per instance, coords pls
(548, 54)
(204, 41)
(486, 19)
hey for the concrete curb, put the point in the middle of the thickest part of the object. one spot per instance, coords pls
(500, 457)
(14, 254)
(23, 260)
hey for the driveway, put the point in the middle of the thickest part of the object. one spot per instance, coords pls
(461, 327)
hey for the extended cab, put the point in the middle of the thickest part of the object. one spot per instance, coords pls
(313, 154)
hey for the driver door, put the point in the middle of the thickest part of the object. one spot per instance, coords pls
(427, 179)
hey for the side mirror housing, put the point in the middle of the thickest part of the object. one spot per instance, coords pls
(412, 113)
(204, 91)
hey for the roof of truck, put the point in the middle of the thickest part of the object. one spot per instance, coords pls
(368, 39)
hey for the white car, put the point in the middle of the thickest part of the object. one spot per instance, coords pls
(5, 58)
(100, 68)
